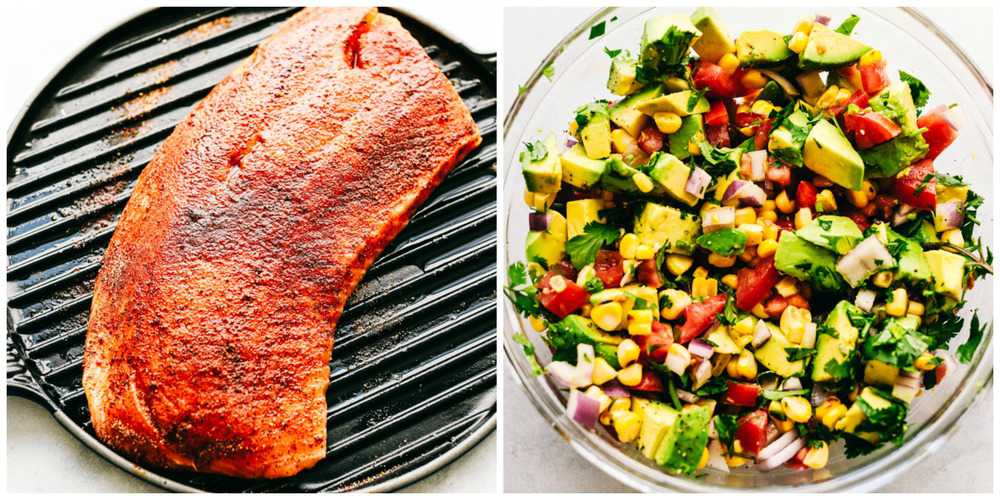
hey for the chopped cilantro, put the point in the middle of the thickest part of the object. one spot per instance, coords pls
(725, 427)
(596, 31)
(612, 53)
(529, 353)
(521, 291)
(725, 242)
(549, 71)
(534, 151)
(799, 353)
(847, 27)
(593, 285)
(968, 349)
(918, 90)
(779, 395)
(582, 248)
(715, 385)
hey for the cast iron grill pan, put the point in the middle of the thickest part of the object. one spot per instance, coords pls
(413, 374)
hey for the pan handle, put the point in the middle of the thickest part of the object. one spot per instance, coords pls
(19, 379)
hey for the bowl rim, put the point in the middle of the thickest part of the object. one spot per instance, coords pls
(867, 477)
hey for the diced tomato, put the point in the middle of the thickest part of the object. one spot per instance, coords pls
(717, 135)
(779, 174)
(860, 219)
(870, 128)
(798, 301)
(751, 431)
(563, 303)
(646, 272)
(742, 394)
(884, 204)
(609, 268)
(746, 120)
(763, 133)
(849, 74)
(785, 223)
(717, 114)
(805, 195)
(940, 372)
(656, 345)
(918, 187)
(940, 133)
(698, 316)
(650, 139)
(718, 82)
(753, 285)
(859, 98)
(874, 77)
(775, 306)
(565, 269)
(650, 382)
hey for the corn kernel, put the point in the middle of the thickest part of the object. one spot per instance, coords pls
(787, 287)
(817, 457)
(641, 315)
(883, 279)
(915, 308)
(627, 245)
(803, 217)
(871, 57)
(729, 62)
(704, 458)
(793, 323)
(858, 198)
(730, 280)
(701, 272)
(678, 300)
(804, 26)
(628, 351)
(784, 204)
(767, 248)
(834, 415)
(953, 236)
(745, 326)
(620, 404)
(758, 310)
(667, 122)
(722, 261)
(643, 182)
(732, 368)
(762, 108)
(557, 283)
(829, 97)
(640, 329)
(537, 323)
(746, 365)
(768, 215)
(749, 254)
(704, 287)
(747, 131)
(797, 409)
(926, 362)
(603, 371)
(771, 231)
(621, 142)
(631, 375)
(694, 148)
(798, 42)
(745, 215)
(678, 264)
(607, 316)
(769, 205)
(754, 80)
(897, 306)
(644, 252)
(825, 201)
(573, 127)
(753, 232)
(734, 461)
(627, 424)
(596, 393)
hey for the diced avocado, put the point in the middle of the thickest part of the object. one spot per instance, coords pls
(723, 184)
(579, 213)
(828, 153)
(665, 43)
(774, 356)
(879, 373)
(627, 117)
(540, 166)
(836, 341)
(855, 415)
(761, 48)
(589, 331)
(812, 85)
(547, 246)
(925, 233)
(593, 127)
(681, 103)
(691, 128)
(621, 77)
(948, 272)
(579, 170)
(957, 193)
(618, 176)
(657, 420)
(832, 232)
(788, 139)
(798, 258)
(714, 42)
(772, 93)
(896, 103)
(672, 174)
(910, 260)
(828, 49)
(721, 340)
(668, 227)
(682, 447)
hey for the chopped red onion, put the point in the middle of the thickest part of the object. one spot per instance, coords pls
(538, 221)
(718, 218)
(583, 409)
(615, 390)
(771, 433)
(701, 373)
(818, 395)
(782, 456)
(864, 259)
(716, 460)
(901, 215)
(865, 299)
(777, 445)
(949, 213)
(745, 192)
(584, 363)
(907, 386)
(570, 142)
(686, 396)
(733, 189)
(760, 334)
(563, 374)
(677, 363)
(824, 20)
(697, 183)
(755, 162)
(809, 336)
(792, 384)
(700, 348)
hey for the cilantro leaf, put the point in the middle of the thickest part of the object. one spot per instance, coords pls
(724, 242)
(918, 90)
(521, 291)
(895, 345)
(612, 53)
(725, 427)
(596, 31)
(665, 56)
(976, 331)
(582, 248)
(593, 285)
(549, 71)
(889, 423)
(847, 27)
(889, 158)
(534, 151)
(715, 385)
(799, 353)
(529, 353)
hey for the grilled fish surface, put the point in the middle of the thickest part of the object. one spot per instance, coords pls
(212, 320)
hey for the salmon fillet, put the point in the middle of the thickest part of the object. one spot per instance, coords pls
(211, 328)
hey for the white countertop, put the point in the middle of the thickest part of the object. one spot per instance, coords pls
(537, 459)
(41, 455)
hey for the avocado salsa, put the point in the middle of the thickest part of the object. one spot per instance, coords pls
(746, 255)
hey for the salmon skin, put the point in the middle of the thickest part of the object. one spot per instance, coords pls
(211, 327)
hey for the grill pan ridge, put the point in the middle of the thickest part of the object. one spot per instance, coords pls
(413, 373)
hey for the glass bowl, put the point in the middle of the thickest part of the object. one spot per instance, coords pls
(909, 41)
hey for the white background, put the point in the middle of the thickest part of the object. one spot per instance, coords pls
(536, 459)
(39, 36)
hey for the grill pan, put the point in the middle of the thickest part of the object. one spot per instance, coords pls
(413, 373)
